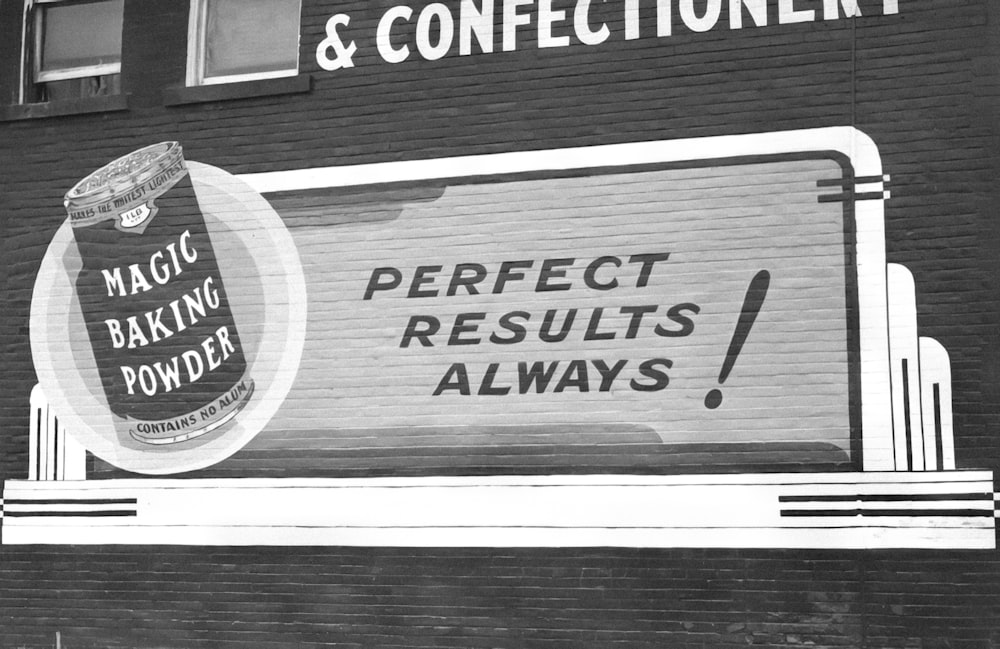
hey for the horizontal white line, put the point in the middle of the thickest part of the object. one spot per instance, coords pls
(962, 480)
(845, 538)
(846, 140)
(807, 523)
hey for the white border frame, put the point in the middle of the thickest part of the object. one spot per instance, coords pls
(876, 406)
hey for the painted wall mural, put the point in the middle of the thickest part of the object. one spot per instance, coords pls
(726, 298)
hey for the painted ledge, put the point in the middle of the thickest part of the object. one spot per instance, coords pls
(182, 95)
(83, 106)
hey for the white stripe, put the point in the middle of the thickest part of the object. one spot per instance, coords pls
(545, 510)
(850, 538)
(126, 487)
(935, 370)
(865, 188)
(847, 140)
(903, 349)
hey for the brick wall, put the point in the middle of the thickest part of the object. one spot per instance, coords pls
(922, 83)
(278, 597)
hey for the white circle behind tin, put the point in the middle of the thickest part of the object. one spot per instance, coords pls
(260, 268)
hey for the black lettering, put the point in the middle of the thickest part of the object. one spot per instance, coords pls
(595, 321)
(375, 282)
(637, 312)
(413, 330)
(545, 333)
(609, 374)
(420, 278)
(540, 374)
(589, 274)
(505, 274)
(675, 313)
(458, 278)
(647, 262)
(548, 273)
(519, 330)
(486, 388)
(460, 328)
(575, 376)
(456, 378)
(648, 369)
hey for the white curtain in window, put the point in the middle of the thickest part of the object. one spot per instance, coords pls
(248, 36)
(80, 35)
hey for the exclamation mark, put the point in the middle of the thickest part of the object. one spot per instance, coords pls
(752, 302)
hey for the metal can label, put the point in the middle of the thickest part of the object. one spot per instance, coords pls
(158, 317)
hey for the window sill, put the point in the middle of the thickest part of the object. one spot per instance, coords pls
(107, 104)
(180, 95)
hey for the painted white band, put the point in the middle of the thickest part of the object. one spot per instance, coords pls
(766, 510)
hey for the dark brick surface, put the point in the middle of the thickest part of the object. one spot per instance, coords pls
(923, 84)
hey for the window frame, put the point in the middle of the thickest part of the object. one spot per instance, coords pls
(197, 23)
(31, 72)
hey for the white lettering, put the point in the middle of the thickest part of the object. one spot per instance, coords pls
(129, 375)
(115, 331)
(147, 380)
(700, 23)
(139, 283)
(787, 13)
(581, 23)
(211, 296)
(383, 35)
(156, 327)
(209, 347)
(831, 9)
(663, 18)
(446, 31)
(511, 19)
(113, 281)
(170, 375)
(194, 365)
(756, 8)
(480, 23)
(222, 333)
(161, 274)
(190, 254)
(547, 16)
(135, 336)
(631, 20)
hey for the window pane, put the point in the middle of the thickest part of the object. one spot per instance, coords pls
(76, 35)
(247, 36)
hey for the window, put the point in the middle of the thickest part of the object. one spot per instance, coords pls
(241, 40)
(73, 49)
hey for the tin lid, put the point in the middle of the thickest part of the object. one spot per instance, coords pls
(123, 175)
